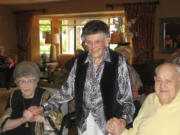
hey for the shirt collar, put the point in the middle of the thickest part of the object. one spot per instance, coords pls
(105, 58)
(174, 101)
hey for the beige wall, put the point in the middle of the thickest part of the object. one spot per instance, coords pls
(7, 31)
(167, 8)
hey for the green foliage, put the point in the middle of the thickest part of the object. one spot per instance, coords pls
(42, 42)
(45, 29)
(44, 21)
(45, 49)
(64, 29)
(79, 46)
(64, 46)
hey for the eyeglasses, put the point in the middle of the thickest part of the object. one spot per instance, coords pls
(29, 81)
(96, 42)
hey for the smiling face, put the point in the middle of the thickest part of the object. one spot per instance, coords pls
(95, 44)
(167, 83)
(27, 85)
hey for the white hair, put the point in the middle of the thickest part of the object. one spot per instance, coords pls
(176, 66)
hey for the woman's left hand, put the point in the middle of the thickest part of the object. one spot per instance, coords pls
(28, 115)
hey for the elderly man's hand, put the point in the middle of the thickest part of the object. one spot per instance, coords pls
(115, 126)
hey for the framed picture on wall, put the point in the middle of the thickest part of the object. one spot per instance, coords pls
(169, 35)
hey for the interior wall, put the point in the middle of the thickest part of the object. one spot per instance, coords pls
(166, 8)
(8, 32)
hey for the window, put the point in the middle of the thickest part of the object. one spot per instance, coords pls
(67, 32)
(44, 28)
(71, 30)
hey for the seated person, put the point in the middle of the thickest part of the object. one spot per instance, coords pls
(168, 41)
(136, 82)
(17, 120)
(6, 66)
(134, 76)
(69, 63)
(175, 57)
(159, 114)
(5, 61)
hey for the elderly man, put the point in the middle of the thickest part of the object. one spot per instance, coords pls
(99, 82)
(159, 114)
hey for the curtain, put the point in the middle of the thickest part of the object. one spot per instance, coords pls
(35, 40)
(143, 30)
(24, 27)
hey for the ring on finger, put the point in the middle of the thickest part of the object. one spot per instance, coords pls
(24, 117)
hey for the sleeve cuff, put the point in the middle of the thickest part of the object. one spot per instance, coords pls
(2, 125)
(45, 108)
(125, 118)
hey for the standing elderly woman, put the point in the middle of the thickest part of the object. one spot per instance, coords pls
(17, 119)
(99, 84)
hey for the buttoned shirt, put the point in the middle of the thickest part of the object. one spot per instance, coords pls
(92, 98)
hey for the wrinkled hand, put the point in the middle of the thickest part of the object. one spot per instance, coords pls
(36, 110)
(115, 126)
(32, 114)
(38, 118)
(28, 116)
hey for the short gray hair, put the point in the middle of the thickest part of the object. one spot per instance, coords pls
(26, 68)
(176, 66)
(95, 27)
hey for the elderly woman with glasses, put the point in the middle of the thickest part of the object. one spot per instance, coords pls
(17, 119)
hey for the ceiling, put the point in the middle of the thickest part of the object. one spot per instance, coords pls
(18, 2)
